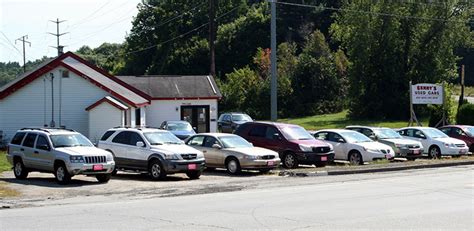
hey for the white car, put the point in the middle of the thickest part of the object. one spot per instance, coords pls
(354, 146)
(435, 142)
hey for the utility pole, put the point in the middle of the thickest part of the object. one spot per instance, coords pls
(23, 40)
(60, 48)
(212, 36)
(461, 97)
(273, 91)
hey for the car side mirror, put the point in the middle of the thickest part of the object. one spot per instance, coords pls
(140, 144)
(44, 147)
(276, 136)
(216, 146)
(340, 140)
(373, 137)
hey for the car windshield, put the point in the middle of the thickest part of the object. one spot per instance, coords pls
(470, 131)
(234, 142)
(387, 133)
(296, 133)
(434, 133)
(355, 137)
(70, 140)
(241, 117)
(179, 126)
(163, 137)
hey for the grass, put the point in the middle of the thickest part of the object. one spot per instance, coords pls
(468, 91)
(4, 165)
(340, 120)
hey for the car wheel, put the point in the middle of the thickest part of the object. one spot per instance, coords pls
(194, 174)
(290, 161)
(114, 172)
(355, 158)
(233, 166)
(19, 169)
(103, 178)
(61, 174)
(434, 152)
(156, 170)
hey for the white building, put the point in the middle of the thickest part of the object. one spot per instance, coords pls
(70, 92)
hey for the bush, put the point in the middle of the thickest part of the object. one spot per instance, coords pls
(466, 114)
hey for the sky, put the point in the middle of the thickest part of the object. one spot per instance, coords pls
(87, 22)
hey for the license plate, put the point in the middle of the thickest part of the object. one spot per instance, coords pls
(97, 167)
(270, 163)
(416, 151)
(192, 166)
(324, 158)
(462, 151)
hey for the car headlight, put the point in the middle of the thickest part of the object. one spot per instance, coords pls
(76, 159)
(250, 157)
(305, 148)
(371, 150)
(110, 158)
(171, 157)
(200, 155)
(400, 145)
(449, 145)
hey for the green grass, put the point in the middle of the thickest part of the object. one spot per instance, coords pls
(4, 165)
(340, 120)
(468, 91)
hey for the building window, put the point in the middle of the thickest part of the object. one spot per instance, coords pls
(137, 117)
(65, 74)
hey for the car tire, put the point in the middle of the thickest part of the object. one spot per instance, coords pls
(233, 166)
(103, 178)
(61, 174)
(355, 158)
(19, 169)
(114, 172)
(156, 170)
(193, 175)
(434, 152)
(290, 161)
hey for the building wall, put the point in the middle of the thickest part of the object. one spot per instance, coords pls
(30, 106)
(103, 117)
(161, 110)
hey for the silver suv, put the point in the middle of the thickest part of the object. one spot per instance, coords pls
(154, 151)
(60, 151)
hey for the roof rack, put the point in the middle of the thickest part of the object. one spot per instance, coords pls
(136, 127)
(46, 129)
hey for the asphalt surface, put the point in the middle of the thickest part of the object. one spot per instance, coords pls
(429, 199)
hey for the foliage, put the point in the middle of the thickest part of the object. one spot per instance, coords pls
(106, 56)
(387, 51)
(436, 111)
(465, 114)
(11, 70)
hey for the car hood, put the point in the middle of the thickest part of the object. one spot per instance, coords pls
(253, 151)
(83, 151)
(402, 141)
(374, 145)
(450, 140)
(312, 143)
(174, 149)
(183, 133)
(240, 122)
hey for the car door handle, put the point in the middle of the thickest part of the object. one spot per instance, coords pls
(22, 149)
(36, 152)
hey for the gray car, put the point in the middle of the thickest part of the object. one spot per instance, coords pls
(403, 147)
(229, 122)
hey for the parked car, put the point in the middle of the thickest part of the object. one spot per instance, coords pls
(228, 122)
(60, 151)
(153, 151)
(461, 132)
(293, 143)
(233, 153)
(403, 147)
(435, 142)
(181, 129)
(354, 146)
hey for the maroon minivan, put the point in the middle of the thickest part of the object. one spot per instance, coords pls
(461, 132)
(294, 144)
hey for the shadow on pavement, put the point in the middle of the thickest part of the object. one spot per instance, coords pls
(49, 182)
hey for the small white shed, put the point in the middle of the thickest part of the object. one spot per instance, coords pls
(104, 114)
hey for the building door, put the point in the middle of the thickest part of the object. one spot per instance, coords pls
(197, 116)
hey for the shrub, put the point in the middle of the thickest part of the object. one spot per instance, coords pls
(466, 114)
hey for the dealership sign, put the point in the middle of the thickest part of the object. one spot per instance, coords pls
(425, 93)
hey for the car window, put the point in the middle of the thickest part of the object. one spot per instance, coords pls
(209, 141)
(122, 138)
(30, 140)
(458, 132)
(334, 137)
(134, 138)
(270, 131)
(406, 132)
(257, 131)
(18, 138)
(226, 118)
(445, 130)
(106, 135)
(321, 136)
(419, 134)
(41, 142)
(196, 141)
(367, 132)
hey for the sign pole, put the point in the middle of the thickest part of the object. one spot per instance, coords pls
(410, 122)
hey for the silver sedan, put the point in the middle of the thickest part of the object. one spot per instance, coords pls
(233, 153)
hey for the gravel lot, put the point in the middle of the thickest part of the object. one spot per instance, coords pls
(41, 189)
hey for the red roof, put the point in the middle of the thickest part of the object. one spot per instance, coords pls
(110, 101)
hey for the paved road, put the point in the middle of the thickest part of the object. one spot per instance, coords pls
(419, 199)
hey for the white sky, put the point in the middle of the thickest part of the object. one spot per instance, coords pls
(88, 22)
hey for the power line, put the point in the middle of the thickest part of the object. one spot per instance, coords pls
(179, 16)
(369, 12)
(60, 48)
(23, 40)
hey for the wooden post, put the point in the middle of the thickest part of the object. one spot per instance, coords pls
(461, 97)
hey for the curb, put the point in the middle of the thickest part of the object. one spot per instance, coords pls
(372, 170)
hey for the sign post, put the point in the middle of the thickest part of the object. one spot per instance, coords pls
(426, 93)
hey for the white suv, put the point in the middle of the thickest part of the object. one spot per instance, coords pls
(155, 151)
(60, 151)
